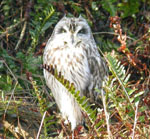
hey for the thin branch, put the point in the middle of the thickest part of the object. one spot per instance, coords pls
(3, 61)
(106, 115)
(111, 33)
(37, 137)
(21, 35)
(135, 119)
(12, 93)
(11, 128)
(9, 29)
(15, 130)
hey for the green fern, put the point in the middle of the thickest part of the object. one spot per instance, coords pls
(119, 72)
(40, 24)
(48, 120)
(117, 82)
(82, 101)
(118, 89)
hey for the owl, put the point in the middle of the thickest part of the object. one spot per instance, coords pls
(73, 50)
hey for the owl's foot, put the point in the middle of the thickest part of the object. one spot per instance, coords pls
(78, 133)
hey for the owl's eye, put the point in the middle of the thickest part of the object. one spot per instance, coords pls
(62, 30)
(82, 31)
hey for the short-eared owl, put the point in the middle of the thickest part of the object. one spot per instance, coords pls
(73, 50)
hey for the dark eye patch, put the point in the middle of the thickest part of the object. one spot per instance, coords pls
(82, 31)
(62, 30)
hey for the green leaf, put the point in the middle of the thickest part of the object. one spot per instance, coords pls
(46, 26)
(109, 6)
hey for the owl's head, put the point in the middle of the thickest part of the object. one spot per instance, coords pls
(72, 31)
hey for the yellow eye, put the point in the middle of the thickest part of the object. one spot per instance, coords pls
(62, 30)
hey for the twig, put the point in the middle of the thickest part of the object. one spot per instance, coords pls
(11, 128)
(9, 29)
(12, 93)
(106, 115)
(135, 119)
(3, 61)
(138, 40)
(15, 130)
(21, 35)
(111, 33)
(37, 137)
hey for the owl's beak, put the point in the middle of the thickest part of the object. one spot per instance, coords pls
(72, 39)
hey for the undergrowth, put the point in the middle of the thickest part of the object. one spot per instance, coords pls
(121, 30)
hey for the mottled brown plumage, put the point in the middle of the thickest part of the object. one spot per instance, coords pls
(73, 50)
